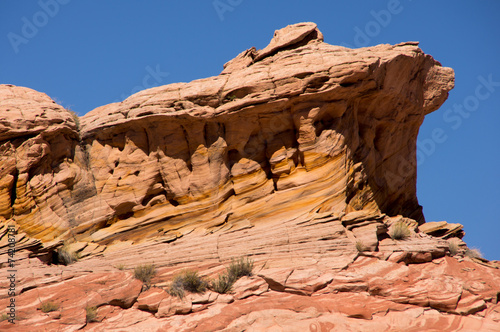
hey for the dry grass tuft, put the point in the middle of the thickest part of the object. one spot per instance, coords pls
(400, 231)
(145, 272)
(49, 306)
(453, 248)
(66, 256)
(473, 253)
(91, 314)
(120, 267)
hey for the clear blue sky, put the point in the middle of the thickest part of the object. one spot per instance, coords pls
(89, 53)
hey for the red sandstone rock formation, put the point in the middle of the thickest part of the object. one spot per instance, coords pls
(300, 155)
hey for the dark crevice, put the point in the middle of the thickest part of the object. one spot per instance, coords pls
(347, 84)
(13, 190)
(205, 134)
(149, 197)
(173, 202)
(316, 83)
(275, 183)
(233, 157)
(303, 75)
(18, 140)
(304, 41)
(124, 216)
(25, 289)
(186, 138)
(148, 143)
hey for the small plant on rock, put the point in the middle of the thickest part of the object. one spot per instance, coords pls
(66, 256)
(91, 314)
(120, 267)
(145, 273)
(223, 284)
(4, 317)
(240, 268)
(75, 117)
(49, 306)
(192, 282)
(360, 246)
(473, 253)
(453, 247)
(187, 280)
(176, 289)
(237, 269)
(400, 231)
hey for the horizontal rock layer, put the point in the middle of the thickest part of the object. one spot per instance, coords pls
(370, 291)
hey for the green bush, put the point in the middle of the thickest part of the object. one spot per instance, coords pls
(49, 306)
(145, 272)
(66, 256)
(239, 268)
(223, 284)
(91, 314)
(192, 282)
(176, 289)
(400, 231)
(187, 280)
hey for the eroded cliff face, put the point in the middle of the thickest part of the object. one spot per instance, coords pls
(301, 156)
(46, 185)
(299, 127)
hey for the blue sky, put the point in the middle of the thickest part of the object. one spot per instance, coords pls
(89, 53)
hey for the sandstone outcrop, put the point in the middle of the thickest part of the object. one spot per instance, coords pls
(301, 155)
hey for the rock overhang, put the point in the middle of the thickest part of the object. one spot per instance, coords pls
(330, 126)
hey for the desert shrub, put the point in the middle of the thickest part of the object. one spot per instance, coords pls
(4, 317)
(360, 246)
(66, 256)
(145, 272)
(176, 289)
(223, 284)
(192, 282)
(453, 247)
(91, 314)
(49, 306)
(399, 231)
(239, 268)
(187, 280)
(75, 117)
(473, 253)
(120, 267)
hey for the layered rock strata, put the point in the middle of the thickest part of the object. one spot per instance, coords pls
(301, 155)
(298, 127)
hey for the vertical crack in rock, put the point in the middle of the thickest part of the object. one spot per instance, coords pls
(13, 190)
